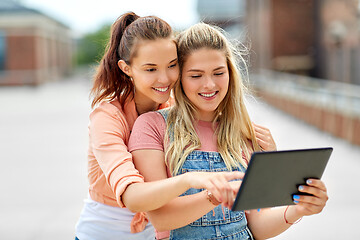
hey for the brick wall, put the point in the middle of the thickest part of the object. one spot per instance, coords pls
(289, 36)
(308, 37)
(21, 53)
(38, 49)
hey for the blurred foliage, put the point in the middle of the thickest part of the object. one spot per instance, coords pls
(91, 47)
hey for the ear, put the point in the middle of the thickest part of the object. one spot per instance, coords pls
(124, 67)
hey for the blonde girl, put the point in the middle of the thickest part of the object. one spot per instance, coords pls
(208, 129)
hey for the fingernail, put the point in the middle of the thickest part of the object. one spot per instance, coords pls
(301, 188)
(296, 201)
(296, 197)
(308, 181)
(258, 210)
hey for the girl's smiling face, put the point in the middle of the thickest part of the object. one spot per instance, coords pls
(154, 70)
(205, 81)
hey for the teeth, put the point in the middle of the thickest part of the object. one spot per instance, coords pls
(161, 89)
(207, 95)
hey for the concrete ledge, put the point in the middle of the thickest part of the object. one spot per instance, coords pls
(330, 116)
(339, 125)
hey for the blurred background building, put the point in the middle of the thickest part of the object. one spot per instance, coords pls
(34, 48)
(310, 37)
(305, 56)
(317, 38)
(229, 15)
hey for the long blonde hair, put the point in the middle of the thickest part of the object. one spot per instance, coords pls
(235, 134)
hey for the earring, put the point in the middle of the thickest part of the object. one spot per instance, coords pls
(131, 79)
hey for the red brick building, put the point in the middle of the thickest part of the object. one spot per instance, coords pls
(316, 38)
(34, 48)
(319, 38)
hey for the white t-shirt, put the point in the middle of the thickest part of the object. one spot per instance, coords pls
(102, 222)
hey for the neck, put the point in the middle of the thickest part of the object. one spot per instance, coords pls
(205, 117)
(144, 105)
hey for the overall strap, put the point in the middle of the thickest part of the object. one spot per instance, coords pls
(165, 113)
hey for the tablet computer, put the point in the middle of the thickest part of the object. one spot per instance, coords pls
(272, 178)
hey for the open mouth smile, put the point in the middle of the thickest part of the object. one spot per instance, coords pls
(208, 95)
(161, 89)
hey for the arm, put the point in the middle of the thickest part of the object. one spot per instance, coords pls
(184, 210)
(107, 132)
(264, 138)
(148, 133)
(142, 197)
(271, 222)
(108, 154)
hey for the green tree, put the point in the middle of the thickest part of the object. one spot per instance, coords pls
(91, 47)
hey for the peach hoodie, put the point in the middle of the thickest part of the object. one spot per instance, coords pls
(110, 166)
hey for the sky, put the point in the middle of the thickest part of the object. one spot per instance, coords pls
(86, 16)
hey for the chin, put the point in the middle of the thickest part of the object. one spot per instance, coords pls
(163, 100)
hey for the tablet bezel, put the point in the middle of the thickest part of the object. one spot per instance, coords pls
(273, 177)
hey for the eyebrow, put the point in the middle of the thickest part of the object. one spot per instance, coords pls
(197, 70)
(153, 64)
(149, 64)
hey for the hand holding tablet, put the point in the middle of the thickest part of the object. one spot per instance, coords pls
(273, 178)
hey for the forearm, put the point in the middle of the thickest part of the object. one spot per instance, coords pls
(143, 197)
(180, 212)
(269, 223)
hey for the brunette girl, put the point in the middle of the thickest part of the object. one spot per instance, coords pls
(135, 76)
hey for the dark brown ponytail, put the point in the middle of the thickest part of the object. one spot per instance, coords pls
(109, 81)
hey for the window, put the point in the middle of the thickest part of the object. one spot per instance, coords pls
(2, 50)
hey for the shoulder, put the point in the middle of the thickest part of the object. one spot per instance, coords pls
(148, 132)
(108, 109)
(106, 116)
(154, 119)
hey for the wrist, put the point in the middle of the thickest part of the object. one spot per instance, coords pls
(291, 216)
(185, 180)
(211, 198)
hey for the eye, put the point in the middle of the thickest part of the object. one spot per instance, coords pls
(173, 65)
(195, 76)
(150, 69)
(219, 73)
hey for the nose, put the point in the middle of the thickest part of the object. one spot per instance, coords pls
(163, 77)
(209, 83)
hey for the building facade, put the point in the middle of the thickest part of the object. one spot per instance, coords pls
(229, 15)
(319, 38)
(297, 46)
(34, 48)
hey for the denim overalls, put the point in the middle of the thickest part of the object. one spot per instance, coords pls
(221, 223)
